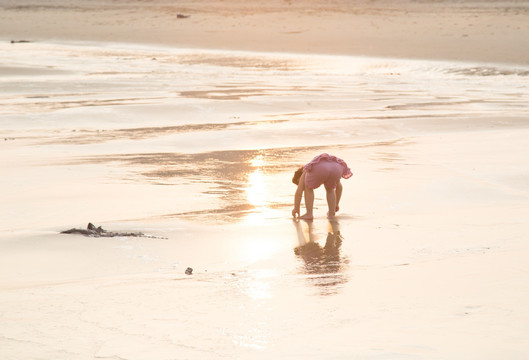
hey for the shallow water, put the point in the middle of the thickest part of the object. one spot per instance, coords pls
(216, 120)
(198, 147)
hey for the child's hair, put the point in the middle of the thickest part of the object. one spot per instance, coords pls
(297, 175)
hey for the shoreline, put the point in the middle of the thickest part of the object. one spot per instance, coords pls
(168, 47)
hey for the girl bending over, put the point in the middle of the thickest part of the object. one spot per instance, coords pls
(323, 169)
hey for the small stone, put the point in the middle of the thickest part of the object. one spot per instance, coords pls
(189, 271)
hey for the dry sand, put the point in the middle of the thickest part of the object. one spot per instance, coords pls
(489, 31)
(428, 258)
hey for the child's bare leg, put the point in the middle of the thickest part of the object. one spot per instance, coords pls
(309, 204)
(331, 202)
(339, 189)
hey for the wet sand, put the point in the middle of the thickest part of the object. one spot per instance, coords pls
(196, 147)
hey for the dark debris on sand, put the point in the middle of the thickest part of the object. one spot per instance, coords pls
(93, 231)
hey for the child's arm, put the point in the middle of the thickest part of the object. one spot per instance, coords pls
(298, 195)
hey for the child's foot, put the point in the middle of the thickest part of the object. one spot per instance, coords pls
(307, 217)
(331, 215)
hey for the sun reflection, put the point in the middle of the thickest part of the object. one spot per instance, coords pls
(258, 248)
(256, 191)
(257, 161)
(259, 289)
(258, 283)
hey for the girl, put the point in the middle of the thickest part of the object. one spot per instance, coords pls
(323, 169)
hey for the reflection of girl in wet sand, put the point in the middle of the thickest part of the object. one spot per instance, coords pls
(324, 265)
(323, 169)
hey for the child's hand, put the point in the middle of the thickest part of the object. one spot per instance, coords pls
(294, 212)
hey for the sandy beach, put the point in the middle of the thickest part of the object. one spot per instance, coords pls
(184, 121)
(486, 30)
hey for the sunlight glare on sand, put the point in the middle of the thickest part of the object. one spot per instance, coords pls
(258, 286)
(261, 247)
(258, 193)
